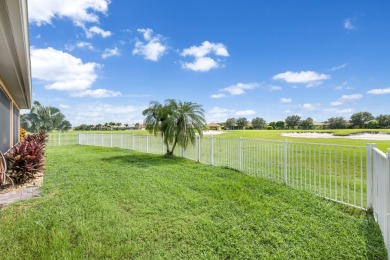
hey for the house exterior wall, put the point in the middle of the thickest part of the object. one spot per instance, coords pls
(9, 120)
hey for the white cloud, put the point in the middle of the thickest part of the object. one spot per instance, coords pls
(201, 64)
(379, 91)
(205, 49)
(346, 98)
(201, 54)
(344, 86)
(311, 78)
(245, 113)
(274, 88)
(218, 114)
(96, 93)
(94, 30)
(219, 95)
(233, 90)
(64, 106)
(101, 113)
(310, 106)
(348, 24)
(79, 12)
(152, 48)
(110, 53)
(62, 71)
(87, 45)
(285, 100)
(339, 67)
(338, 111)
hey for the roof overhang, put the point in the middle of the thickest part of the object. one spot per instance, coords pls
(15, 69)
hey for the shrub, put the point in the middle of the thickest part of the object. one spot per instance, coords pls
(25, 160)
(270, 127)
(23, 134)
(40, 137)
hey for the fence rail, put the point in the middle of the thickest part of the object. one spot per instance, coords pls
(335, 172)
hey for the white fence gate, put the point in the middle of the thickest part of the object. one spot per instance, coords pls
(381, 191)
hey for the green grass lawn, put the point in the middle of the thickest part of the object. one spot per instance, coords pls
(277, 135)
(112, 203)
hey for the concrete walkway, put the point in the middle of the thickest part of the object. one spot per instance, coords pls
(25, 193)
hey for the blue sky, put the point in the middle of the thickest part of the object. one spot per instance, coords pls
(101, 60)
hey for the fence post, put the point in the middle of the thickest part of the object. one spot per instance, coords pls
(132, 141)
(198, 148)
(147, 143)
(388, 201)
(240, 154)
(102, 139)
(78, 138)
(59, 138)
(285, 162)
(121, 140)
(162, 139)
(369, 174)
(110, 140)
(211, 151)
(182, 152)
(94, 139)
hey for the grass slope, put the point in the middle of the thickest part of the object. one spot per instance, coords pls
(112, 203)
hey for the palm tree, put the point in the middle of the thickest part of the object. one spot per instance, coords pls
(43, 118)
(155, 116)
(176, 121)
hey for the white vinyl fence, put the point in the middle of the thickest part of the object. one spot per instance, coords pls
(335, 172)
(381, 191)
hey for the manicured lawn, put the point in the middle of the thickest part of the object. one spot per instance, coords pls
(111, 203)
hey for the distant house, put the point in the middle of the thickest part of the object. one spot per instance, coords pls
(15, 71)
(214, 126)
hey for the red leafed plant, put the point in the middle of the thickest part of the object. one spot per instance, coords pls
(25, 160)
(40, 137)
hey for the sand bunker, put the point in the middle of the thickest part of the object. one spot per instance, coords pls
(212, 132)
(363, 136)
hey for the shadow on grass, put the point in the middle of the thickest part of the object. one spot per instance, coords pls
(143, 160)
(374, 241)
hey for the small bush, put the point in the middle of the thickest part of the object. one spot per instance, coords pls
(40, 137)
(25, 160)
(23, 134)
(270, 127)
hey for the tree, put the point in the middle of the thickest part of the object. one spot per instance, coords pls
(307, 123)
(230, 123)
(279, 125)
(259, 123)
(383, 121)
(373, 124)
(358, 120)
(337, 123)
(176, 121)
(45, 119)
(292, 121)
(242, 122)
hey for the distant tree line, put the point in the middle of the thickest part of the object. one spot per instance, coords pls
(106, 126)
(357, 120)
